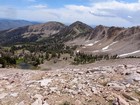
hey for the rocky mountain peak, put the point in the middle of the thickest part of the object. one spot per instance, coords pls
(80, 25)
(47, 26)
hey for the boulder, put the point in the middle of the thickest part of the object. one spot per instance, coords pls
(137, 79)
(44, 82)
(129, 97)
(121, 100)
(116, 86)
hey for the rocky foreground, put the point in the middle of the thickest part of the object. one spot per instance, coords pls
(106, 85)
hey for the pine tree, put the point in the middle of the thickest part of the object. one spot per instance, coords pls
(47, 56)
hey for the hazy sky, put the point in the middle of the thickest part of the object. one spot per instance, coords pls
(92, 12)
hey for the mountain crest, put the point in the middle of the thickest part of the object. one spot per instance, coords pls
(80, 25)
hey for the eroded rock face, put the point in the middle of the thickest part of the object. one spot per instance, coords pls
(85, 86)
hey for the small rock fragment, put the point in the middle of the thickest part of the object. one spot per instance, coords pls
(3, 95)
(77, 102)
(138, 91)
(21, 103)
(14, 94)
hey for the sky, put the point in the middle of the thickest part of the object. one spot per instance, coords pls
(124, 13)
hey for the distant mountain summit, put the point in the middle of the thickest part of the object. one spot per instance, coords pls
(73, 31)
(9, 23)
(30, 33)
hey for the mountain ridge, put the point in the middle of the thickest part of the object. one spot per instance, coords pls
(9, 23)
(101, 39)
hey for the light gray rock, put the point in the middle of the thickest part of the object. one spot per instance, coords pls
(44, 82)
(21, 103)
(53, 89)
(109, 97)
(14, 94)
(38, 100)
(138, 91)
(78, 102)
(129, 97)
(121, 100)
(45, 103)
(138, 71)
(0, 65)
(116, 86)
(3, 95)
(137, 79)
(73, 92)
(94, 90)
(116, 101)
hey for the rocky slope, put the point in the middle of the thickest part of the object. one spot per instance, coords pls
(102, 85)
(110, 40)
(74, 31)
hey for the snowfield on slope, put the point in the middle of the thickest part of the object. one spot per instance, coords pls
(107, 47)
(131, 53)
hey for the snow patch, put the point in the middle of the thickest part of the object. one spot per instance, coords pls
(84, 47)
(91, 44)
(105, 48)
(96, 51)
(77, 51)
(96, 42)
(126, 54)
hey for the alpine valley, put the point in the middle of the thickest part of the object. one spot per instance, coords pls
(99, 40)
(57, 64)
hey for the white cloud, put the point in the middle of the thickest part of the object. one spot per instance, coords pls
(130, 17)
(115, 5)
(101, 14)
(109, 12)
(69, 16)
(119, 9)
(8, 12)
(77, 8)
(39, 6)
